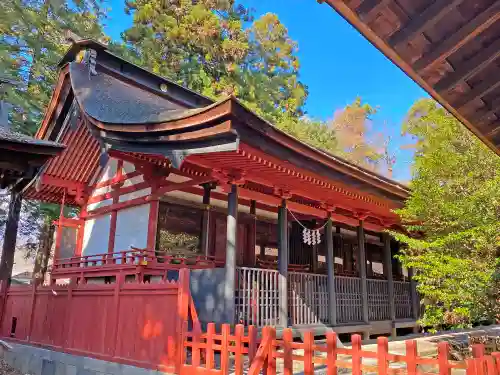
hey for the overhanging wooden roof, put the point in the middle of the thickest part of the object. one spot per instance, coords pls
(21, 156)
(451, 48)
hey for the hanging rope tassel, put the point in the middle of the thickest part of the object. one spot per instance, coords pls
(309, 236)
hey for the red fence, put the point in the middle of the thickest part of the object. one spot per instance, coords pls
(204, 347)
(286, 356)
(134, 323)
(130, 262)
(146, 325)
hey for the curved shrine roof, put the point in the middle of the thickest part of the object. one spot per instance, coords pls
(122, 112)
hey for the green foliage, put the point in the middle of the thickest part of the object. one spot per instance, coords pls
(316, 133)
(216, 48)
(455, 202)
(352, 128)
(32, 42)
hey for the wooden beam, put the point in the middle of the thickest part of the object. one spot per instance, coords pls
(179, 186)
(205, 221)
(259, 197)
(496, 129)
(415, 303)
(369, 8)
(482, 115)
(478, 91)
(387, 257)
(10, 237)
(484, 121)
(14, 165)
(350, 16)
(428, 18)
(471, 67)
(441, 50)
(306, 210)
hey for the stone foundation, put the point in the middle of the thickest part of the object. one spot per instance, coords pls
(38, 361)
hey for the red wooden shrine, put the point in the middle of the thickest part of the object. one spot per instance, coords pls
(163, 178)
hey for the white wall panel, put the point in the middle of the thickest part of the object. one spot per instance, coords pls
(102, 190)
(135, 194)
(104, 203)
(96, 235)
(132, 227)
(128, 167)
(133, 181)
(109, 170)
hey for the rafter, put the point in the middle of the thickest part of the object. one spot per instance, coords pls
(441, 50)
(369, 8)
(59, 182)
(485, 87)
(428, 18)
(482, 115)
(471, 67)
(496, 129)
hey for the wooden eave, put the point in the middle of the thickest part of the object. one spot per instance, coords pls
(21, 156)
(229, 119)
(451, 48)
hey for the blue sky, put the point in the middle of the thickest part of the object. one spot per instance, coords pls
(337, 65)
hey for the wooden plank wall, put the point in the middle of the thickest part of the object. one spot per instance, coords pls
(133, 323)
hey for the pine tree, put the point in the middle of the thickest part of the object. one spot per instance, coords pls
(32, 41)
(216, 48)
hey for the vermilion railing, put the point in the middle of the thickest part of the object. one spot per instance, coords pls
(273, 265)
(284, 355)
(134, 257)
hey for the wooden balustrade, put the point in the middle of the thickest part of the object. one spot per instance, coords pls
(273, 265)
(237, 352)
(132, 257)
(329, 358)
(257, 298)
(349, 299)
(378, 300)
(308, 298)
(402, 299)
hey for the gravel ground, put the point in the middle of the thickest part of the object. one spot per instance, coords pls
(5, 369)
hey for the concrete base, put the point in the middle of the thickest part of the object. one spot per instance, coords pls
(37, 361)
(373, 328)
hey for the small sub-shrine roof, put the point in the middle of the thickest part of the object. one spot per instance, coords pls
(451, 48)
(22, 155)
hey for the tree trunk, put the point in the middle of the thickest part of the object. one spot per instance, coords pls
(43, 254)
(10, 237)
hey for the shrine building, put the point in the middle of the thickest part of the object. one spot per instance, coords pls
(273, 231)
